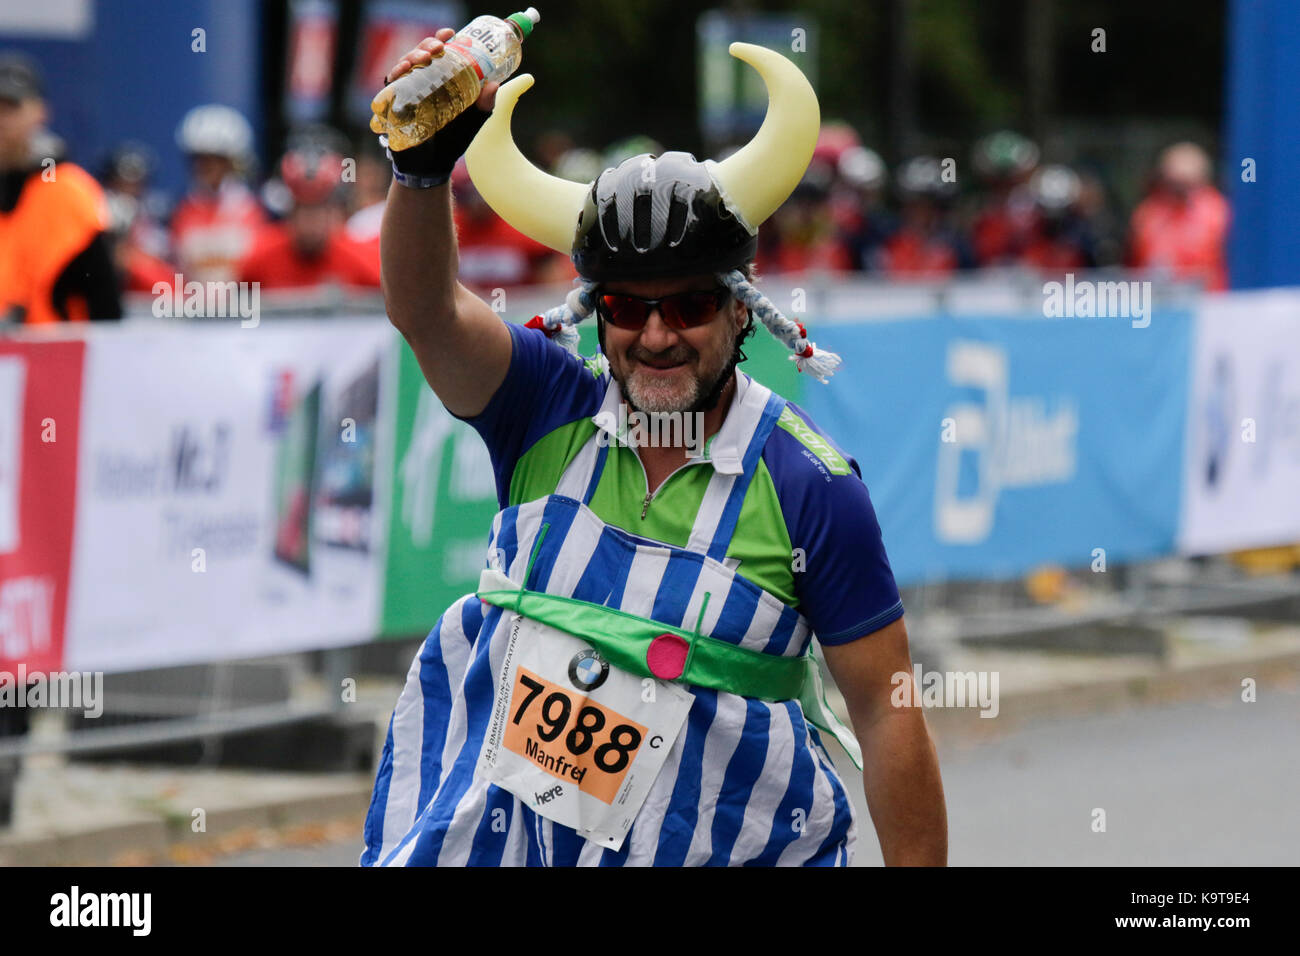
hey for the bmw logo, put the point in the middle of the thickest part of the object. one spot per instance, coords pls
(588, 670)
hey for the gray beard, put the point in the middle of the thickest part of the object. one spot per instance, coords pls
(706, 400)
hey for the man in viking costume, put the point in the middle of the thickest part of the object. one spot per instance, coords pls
(633, 681)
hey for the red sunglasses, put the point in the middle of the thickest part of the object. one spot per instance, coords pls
(684, 310)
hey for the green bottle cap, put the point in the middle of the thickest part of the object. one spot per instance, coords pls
(525, 21)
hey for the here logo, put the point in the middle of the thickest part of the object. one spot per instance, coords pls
(548, 795)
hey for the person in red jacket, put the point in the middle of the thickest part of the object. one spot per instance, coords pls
(311, 247)
(369, 196)
(806, 234)
(136, 215)
(1007, 219)
(493, 254)
(925, 245)
(214, 223)
(1061, 239)
(1180, 228)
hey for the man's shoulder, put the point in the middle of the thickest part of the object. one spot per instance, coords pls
(547, 386)
(545, 389)
(534, 350)
(798, 451)
(842, 577)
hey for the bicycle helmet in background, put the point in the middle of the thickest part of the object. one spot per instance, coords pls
(1005, 155)
(923, 177)
(129, 162)
(1055, 189)
(579, 165)
(627, 147)
(215, 130)
(312, 176)
(862, 167)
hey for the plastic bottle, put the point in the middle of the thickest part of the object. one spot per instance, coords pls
(422, 101)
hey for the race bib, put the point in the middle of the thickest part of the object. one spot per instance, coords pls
(578, 740)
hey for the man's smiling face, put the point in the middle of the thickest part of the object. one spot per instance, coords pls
(661, 369)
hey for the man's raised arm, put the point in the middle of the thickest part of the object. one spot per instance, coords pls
(462, 346)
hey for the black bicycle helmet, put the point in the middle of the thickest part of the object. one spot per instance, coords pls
(656, 216)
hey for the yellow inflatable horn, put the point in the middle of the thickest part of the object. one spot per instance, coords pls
(754, 181)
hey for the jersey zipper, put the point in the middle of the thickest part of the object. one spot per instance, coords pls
(645, 505)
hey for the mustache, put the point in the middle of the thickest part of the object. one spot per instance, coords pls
(681, 353)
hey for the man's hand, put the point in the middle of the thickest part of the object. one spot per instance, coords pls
(900, 769)
(422, 55)
(431, 162)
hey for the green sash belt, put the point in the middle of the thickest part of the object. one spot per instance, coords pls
(624, 639)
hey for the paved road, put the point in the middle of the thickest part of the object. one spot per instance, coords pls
(1182, 784)
(333, 854)
(1187, 784)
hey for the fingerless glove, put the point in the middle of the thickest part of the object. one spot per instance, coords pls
(430, 164)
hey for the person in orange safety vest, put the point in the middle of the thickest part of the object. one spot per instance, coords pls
(55, 260)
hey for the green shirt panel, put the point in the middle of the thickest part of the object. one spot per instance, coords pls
(761, 541)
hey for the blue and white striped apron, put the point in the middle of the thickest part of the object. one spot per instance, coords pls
(746, 782)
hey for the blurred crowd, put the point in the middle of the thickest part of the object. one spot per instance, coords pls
(315, 219)
(929, 219)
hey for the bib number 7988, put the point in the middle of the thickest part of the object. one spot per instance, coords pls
(570, 735)
(611, 756)
(573, 737)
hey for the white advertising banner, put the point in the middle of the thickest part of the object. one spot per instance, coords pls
(12, 374)
(227, 501)
(1241, 485)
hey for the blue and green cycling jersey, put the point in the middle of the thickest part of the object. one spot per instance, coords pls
(807, 531)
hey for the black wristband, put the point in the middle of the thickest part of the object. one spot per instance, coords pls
(431, 163)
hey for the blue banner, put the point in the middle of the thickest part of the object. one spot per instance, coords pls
(1261, 140)
(993, 445)
(139, 70)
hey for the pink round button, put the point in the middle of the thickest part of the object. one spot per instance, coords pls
(666, 656)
